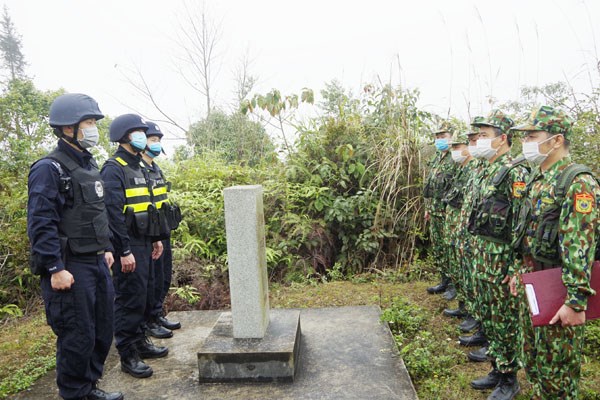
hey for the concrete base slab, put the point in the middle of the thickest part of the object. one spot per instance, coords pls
(273, 358)
(347, 353)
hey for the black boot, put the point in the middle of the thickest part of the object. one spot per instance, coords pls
(99, 394)
(440, 287)
(459, 312)
(469, 324)
(476, 339)
(507, 388)
(479, 355)
(172, 325)
(450, 293)
(131, 364)
(158, 331)
(489, 381)
(146, 349)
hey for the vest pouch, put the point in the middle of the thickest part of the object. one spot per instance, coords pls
(545, 248)
(454, 198)
(524, 215)
(142, 223)
(441, 184)
(173, 216)
(153, 221)
(427, 191)
(500, 216)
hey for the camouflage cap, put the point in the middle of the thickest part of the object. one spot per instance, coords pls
(496, 119)
(444, 127)
(475, 125)
(459, 138)
(549, 119)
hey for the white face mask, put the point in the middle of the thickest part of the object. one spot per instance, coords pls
(474, 151)
(531, 151)
(457, 156)
(484, 146)
(90, 137)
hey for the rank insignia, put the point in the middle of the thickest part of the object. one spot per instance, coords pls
(584, 203)
(518, 188)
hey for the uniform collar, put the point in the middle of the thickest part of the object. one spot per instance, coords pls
(82, 157)
(131, 159)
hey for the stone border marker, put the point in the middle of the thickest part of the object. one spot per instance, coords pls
(250, 343)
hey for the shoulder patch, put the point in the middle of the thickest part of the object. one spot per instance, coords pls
(518, 188)
(584, 203)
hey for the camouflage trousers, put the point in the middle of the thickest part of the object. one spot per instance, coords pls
(552, 358)
(499, 315)
(439, 245)
(466, 276)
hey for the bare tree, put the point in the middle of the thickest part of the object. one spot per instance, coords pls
(198, 38)
(244, 81)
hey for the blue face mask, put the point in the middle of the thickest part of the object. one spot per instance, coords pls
(441, 144)
(154, 149)
(138, 141)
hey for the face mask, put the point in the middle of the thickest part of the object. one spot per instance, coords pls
(441, 144)
(457, 156)
(154, 150)
(531, 151)
(474, 151)
(138, 141)
(484, 146)
(90, 137)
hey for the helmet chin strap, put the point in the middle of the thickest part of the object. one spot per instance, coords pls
(73, 139)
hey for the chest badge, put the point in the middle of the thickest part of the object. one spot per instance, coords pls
(99, 189)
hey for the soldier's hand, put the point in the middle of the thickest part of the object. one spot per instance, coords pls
(513, 285)
(62, 280)
(109, 258)
(128, 263)
(568, 317)
(157, 250)
(427, 216)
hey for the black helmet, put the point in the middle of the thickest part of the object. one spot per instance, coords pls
(153, 130)
(72, 108)
(124, 124)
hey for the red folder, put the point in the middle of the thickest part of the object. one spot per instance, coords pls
(546, 293)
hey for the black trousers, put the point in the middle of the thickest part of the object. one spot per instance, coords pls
(132, 290)
(82, 319)
(163, 272)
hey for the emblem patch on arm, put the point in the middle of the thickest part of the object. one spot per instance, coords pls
(584, 203)
(518, 188)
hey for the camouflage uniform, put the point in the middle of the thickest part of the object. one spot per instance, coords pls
(552, 354)
(454, 200)
(442, 169)
(494, 259)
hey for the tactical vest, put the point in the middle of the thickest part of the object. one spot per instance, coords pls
(84, 221)
(545, 249)
(437, 185)
(455, 194)
(170, 214)
(492, 216)
(141, 216)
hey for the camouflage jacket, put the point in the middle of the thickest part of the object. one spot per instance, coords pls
(460, 189)
(439, 179)
(578, 228)
(474, 169)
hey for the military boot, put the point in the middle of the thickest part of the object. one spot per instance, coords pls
(468, 324)
(156, 330)
(134, 366)
(99, 394)
(171, 325)
(440, 287)
(507, 388)
(146, 349)
(459, 312)
(450, 293)
(476, 339)
(489, 381)
(479, 355)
